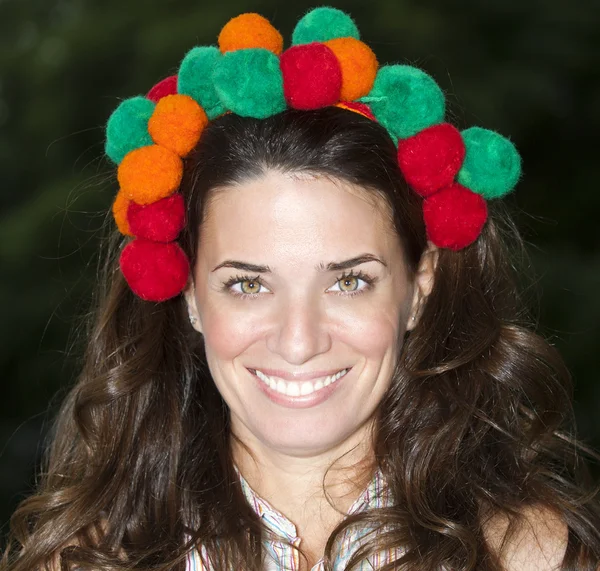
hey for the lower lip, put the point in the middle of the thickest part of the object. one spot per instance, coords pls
(305, 401)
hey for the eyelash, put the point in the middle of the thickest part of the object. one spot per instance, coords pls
(369, 280)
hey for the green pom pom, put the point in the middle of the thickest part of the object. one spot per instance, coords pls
(195, 79)
(127, 127)
(249, 82)
(322, 24)
(405, 100)
(492, 164)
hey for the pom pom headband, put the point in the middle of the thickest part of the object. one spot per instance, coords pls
(250, 74)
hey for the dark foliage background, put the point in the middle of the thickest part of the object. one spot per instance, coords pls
(527, 68)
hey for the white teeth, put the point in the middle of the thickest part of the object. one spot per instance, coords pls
(306, 388)
(262, 377)
(295, 389)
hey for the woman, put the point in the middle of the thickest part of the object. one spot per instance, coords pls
(300, 361)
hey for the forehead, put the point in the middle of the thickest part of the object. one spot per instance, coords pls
(295, 218)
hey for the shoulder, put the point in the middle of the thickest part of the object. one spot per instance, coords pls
(537, 542)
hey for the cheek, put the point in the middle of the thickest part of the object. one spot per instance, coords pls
(227, 332)
(373, 334)
(375, 328)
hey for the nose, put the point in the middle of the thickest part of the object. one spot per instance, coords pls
(300, 331)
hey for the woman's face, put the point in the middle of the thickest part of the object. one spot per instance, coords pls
(281, 323)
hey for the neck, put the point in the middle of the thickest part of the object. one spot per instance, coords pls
(308, 485)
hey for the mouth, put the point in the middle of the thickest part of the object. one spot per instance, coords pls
(298, 388)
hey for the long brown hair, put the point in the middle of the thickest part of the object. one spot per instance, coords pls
(478, 418)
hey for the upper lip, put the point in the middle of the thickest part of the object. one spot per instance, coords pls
(308, 376)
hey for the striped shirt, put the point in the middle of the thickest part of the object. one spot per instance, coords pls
(280, 556)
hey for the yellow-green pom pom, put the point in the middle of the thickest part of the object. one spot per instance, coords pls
(322, 24)
(195, 79)
(405, 100)
(492, 164)
(127, 127)
(250, 31)
(249, 83)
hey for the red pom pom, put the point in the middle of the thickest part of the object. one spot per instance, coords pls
(357, 107)
(160, 221)
(153, 270)
(454, 217)
(312, 76)
(432, 158)
(167, 86)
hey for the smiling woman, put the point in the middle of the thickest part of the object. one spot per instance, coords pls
(306, 324)
(310, 352)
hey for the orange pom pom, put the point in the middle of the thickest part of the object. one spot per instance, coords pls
(119, 210)
(176, 123)
(250, 31)
(150, 173)
(359, 66)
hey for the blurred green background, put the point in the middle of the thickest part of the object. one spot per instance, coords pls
(527, 68)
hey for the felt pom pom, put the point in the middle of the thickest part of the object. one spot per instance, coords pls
(430, 159)
(195, 79)
(249, 82)
(177, 123)
(127, 127)
(312, 76)
(250, 31)
(149, 174)
(454, 217)
(153, 270)
(322, 24)
(119, 210)
(405, 100)
(357, 107)
(492, 165)
(167, 86)
(359, 66)
(160, 221)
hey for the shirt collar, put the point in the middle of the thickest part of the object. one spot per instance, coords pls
(375, 495)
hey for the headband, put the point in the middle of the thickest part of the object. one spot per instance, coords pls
(250, 74)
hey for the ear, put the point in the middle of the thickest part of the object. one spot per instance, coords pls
(423, 283)
(190, 298)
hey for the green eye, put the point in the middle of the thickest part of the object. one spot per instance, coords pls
(249, 286)
(349, 283)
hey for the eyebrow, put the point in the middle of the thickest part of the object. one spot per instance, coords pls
(330, 267)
